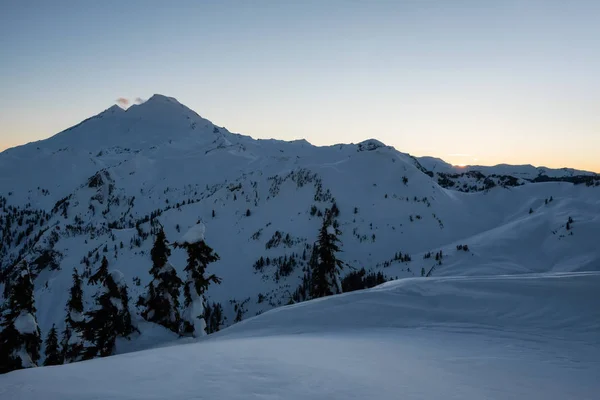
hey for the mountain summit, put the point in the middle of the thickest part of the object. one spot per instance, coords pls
(151, 123)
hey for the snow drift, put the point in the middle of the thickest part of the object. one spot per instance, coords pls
(470, 338)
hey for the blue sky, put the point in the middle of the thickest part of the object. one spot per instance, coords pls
(468, 81)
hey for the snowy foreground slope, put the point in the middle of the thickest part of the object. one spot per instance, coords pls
(505, 337)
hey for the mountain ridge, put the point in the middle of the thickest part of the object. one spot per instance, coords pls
(160, 101)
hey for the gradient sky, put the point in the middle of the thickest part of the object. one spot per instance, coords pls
(477, 82)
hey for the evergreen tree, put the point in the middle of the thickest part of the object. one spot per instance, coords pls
(302, 292)
(52, 352)
(110, 320)
(20, 338)
(213, 315)
(72, 346)
(360, 279)
(335, 211)
(101, 273)
(162, 300)
(197, 281)
(325, 266)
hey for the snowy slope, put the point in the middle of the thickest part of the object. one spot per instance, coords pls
(517, 337)
(106, 181)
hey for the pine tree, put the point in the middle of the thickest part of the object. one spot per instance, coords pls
(335, 211)
(72, 346)
(213, 315)
(325, 266)
(162, 300)
(196, 283)
(101, 273)
(302, 292)
(110, 320)
(20, 338)
(52, 352)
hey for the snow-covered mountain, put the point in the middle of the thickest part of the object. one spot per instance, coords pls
(98, 188)
(526, 172)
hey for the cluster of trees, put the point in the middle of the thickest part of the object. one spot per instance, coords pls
(17, 225)
(481, 183)
(402, 257)
(440, 255)
(93, 333)
(361, 279)
(86, 335)
(398, 256)
(20, 338)
(278, 238)
(161, 302)
(322, 272)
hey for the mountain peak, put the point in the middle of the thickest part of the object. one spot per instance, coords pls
(115, 109)
(370, 145)
(157, 120)
(159, 98)
(160, 104)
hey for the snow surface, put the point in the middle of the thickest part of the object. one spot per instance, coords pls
(76, 316)
(195, 234)
(191, 313)
(25, 323)
(26, 360)
(512, 337)
(117, 276)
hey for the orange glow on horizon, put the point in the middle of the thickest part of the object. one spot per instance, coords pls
(455, 159)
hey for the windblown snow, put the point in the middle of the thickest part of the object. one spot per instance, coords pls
(493, 271)
(517, 337)
(195, 234)
(25, 323)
